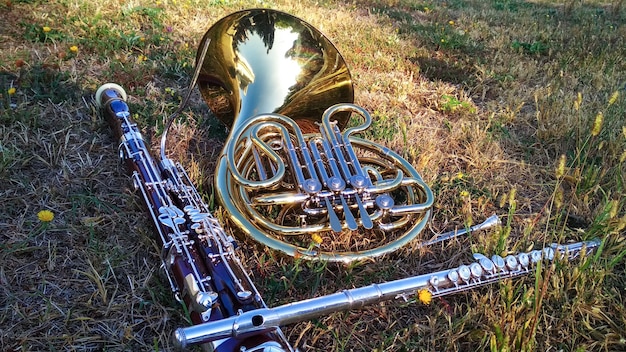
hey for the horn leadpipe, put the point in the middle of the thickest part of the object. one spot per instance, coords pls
(491, 221)
(481, 272)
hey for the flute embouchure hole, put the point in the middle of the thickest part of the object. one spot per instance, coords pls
(257, 320)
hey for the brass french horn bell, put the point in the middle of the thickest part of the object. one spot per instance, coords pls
(287, 176)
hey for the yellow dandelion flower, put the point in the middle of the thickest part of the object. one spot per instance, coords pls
(614, 97)
(597, 124)
(11, 91)
(317, 238)
(560, 168)
(424, 296)
(142, 39)
(45, 216)
(459, 175)
(141, 58)
(451, 23)
(74, 49)
(46, 29)
(464, 194)
(443, 40)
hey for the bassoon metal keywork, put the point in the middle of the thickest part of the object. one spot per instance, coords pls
(283, 177)
(198, 256)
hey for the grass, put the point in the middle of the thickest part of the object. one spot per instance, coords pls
(505, 106)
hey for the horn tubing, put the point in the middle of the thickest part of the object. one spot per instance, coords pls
(243, 78)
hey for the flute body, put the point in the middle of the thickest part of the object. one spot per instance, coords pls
(481, 272)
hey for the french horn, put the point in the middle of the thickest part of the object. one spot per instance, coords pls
(293, 175)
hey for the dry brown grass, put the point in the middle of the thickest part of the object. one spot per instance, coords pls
(485, 104)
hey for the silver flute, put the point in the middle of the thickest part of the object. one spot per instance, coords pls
(481, 272)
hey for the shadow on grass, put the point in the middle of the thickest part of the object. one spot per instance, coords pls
(445, 50)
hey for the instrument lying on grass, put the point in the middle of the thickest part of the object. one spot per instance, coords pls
(288, 176)
(465, 277)
(198, 256)
(283, 185)
(205, 272)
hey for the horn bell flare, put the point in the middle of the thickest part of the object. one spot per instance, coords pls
(266, 61)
